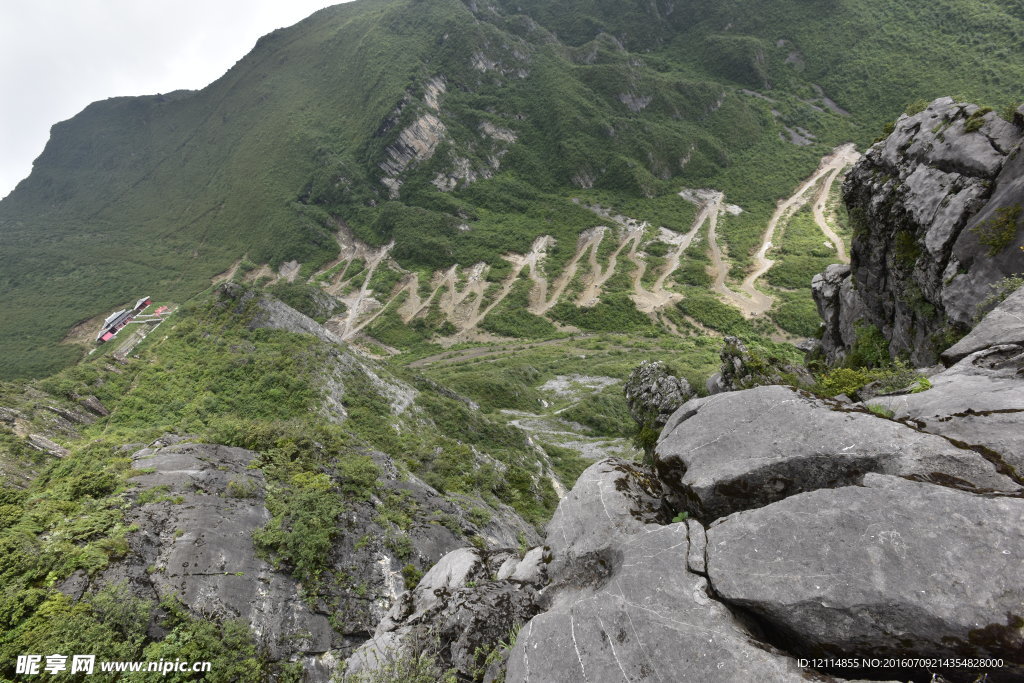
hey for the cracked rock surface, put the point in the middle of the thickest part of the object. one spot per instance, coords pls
(197, 544)
(741, 450)
(621, 603)
(195, 541)
(892, 567)
(979, 401)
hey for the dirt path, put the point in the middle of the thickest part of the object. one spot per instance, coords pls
(594, 281)
(359, 302)
(676, 256)
(532, 260)
(639, 267)
(831, 164)
(818, 209)
(465, 297)
(506, 288)
(657, 298)
(717, 270)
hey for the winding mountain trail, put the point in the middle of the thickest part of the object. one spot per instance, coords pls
(657, 298)
(464, 296)
(711, 202)
(595, 279)
(675, 257)
(359, 301)
(830, 166)
(506, 288)
(632, 235)
(818, 209)
(413, 303)
(453, 301)
(749, 299)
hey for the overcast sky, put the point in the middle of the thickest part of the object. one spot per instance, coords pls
(57, 56)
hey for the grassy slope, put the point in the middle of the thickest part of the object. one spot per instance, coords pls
(205, 373)
(160, 193)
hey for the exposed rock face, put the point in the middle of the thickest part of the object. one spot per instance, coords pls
(272, 314)
(840, 307)
(647, 618)
(621, 603)
(622, 498)
(1003, 325)
(979, 402)
(881, 569)
(653, 394)
(195, 541)
(937, 215)
(449, 615)
(742, 450)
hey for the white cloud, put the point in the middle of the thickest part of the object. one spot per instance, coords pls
(57, 56)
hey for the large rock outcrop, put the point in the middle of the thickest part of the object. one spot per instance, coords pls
(466, 604)
(977, 403)
(890, 568)
(817, 529)
(196, 509)
(744, 367)
(745, 449)
(622, 604)
(937, 210)
(653, 393)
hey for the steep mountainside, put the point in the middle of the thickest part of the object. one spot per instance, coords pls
(938, 229)
(243, 476)
(782, 535)
(412, 121)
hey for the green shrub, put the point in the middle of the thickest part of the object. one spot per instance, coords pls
(796, 313)
(906, 249)
(998, 232)
(229, 646)
(518, 323)
(245, 488)
(604, 411)
(881, 411)
(411, 576)
(976, 120)
(870, 348)
(303, 526)
(706, 309)
(613, 313)
(1000, 290)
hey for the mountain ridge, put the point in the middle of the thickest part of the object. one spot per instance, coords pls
(271, 139)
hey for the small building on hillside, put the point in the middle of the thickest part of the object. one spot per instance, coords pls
(115, 321)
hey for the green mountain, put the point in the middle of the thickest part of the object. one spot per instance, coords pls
(463, 131)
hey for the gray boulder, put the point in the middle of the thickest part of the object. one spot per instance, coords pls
(891, 568)
(653, 394)
(611, 499)
(742, 450)
(456, 615)
(623, 605)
